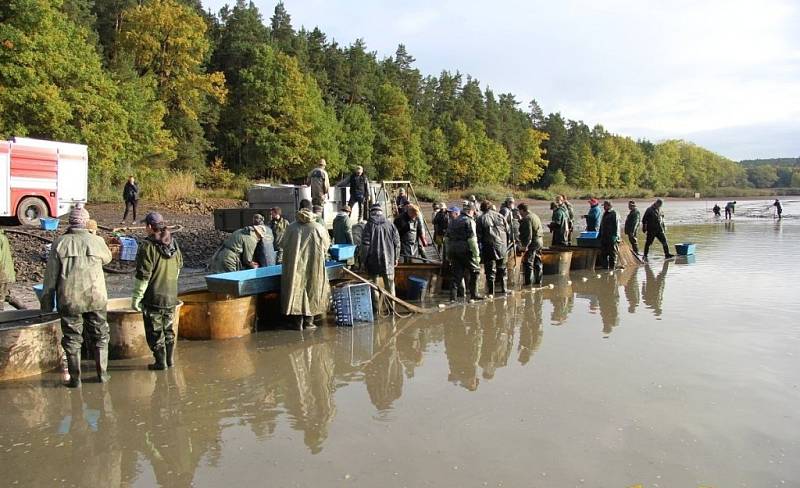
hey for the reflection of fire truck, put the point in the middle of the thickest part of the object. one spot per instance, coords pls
(41, 178)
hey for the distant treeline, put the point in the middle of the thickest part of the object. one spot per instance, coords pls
(771, 162)
(165, 84)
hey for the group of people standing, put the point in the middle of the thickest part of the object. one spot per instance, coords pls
(75, 286)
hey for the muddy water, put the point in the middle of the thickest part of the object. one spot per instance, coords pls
(676, 374)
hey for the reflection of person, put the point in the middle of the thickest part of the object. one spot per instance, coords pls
(304, 282)
(497, 342)
(653, 227)
(310, 393)
(608, 302)
(462, 344)
(632, 293)
(384, 374)
(653, 288)
(75, 273)
(155, 289)
(530, 333)
(411, 345)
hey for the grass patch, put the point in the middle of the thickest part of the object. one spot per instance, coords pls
(494, 193)
(429, 194)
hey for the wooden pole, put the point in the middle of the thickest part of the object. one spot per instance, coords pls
(410, 307)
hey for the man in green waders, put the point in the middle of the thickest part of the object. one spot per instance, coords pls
(155, 290)
(7, 274)
(74, 279)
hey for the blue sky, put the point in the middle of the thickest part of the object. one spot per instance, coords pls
(722, 73)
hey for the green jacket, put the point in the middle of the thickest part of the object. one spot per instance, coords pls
(7, 274)
(560, 226)
(342, 229)
(278, 229)
(74, 273)
(159, 262)
(632, 222)
(531, 234)
(236, 252)
(304, 283)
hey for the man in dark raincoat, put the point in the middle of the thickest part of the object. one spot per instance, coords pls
(264, 255)
(74, 280)
(359, 192)
(304, 284)
(653, 227)
(609, 236)
(559, 223)
(464, 255)
(155, 289)
(238, 250)
(409, 225)
(380, 250)
(494, 238)
(531, 242)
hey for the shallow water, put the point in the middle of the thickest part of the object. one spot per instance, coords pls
(674, 374)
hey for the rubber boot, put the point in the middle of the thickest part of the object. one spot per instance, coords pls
(473, 288)
(537, 275)
(490, 287)
(169, 348)
(453, 291)
(160, 363)
(501, 275)
(308, 322)
(101, 364)
(74, 368)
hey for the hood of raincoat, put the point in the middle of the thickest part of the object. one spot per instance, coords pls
(164, 243)
(377, 217)
(305, 216)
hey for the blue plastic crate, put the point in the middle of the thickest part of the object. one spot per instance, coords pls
(589, 234)
(587, 242)
(343, 252)
(685, 248)
(46, 223)
(129, 247)
(352, 304)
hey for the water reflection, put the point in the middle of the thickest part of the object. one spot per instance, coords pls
(653, 288)
(167, 425)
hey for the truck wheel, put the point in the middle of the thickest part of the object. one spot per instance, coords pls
(30, 210)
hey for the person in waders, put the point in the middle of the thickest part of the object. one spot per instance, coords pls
(531, 242)
(74, 280)
(7, 274)
(155, 289)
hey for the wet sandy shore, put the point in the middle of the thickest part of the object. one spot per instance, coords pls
(674, 374)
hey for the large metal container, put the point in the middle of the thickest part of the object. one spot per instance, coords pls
(207, 315)
(127, 330)
(556, 262)
(582, 257)
(29, 344)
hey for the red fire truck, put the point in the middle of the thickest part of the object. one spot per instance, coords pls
(41, 178)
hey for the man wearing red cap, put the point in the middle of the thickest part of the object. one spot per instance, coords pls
(594, 215)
